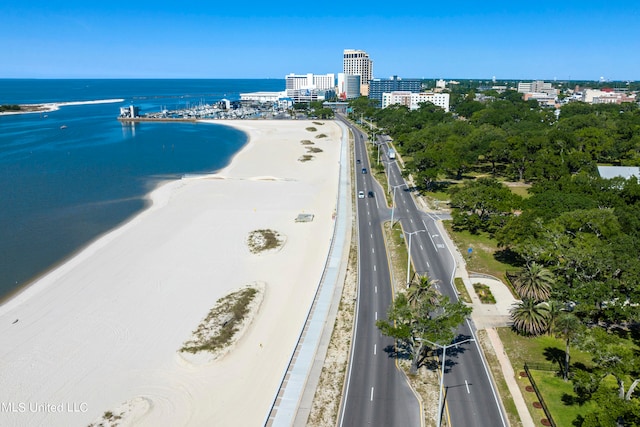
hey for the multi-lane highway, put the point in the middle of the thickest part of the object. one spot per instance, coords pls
(376, 392)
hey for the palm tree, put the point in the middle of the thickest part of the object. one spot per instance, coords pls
(529, 317)
(423, 288)
(534, 282)
(569, 327)
(555, 310)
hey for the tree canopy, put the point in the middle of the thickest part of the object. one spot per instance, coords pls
(422, 315)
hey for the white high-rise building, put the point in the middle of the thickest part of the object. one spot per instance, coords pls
(310, 81)
(358, 63)
(309, 87)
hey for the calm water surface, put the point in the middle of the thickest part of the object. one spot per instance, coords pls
(60, 188)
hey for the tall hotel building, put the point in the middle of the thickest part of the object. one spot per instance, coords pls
(357, 63)
(309, 87)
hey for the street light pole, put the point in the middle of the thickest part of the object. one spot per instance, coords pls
(444, 355)
(393, 201)
(409, 253)
(389, 172)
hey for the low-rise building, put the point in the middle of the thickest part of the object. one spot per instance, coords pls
(262, 96)
(606, 96)
(278, 99)
(413, 100)
(130, 112)
(544, 99)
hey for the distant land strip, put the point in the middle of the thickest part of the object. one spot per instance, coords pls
(50, 106)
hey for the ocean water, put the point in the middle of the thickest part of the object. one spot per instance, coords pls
(61, 188)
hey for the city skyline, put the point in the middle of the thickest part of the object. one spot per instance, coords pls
(545, 41)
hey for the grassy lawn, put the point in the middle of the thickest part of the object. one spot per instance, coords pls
(544, 350)
(463, 294)
(554, 389)
(482, 259)
(398, 254)
(377, 170)
(521, 191)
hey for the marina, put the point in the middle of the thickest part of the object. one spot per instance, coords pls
(223, 109)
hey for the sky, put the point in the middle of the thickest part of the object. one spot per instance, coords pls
(545, 40)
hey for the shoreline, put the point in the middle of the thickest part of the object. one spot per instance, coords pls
(116, 313)
(147, 198)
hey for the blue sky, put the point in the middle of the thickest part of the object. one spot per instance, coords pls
(237, 39)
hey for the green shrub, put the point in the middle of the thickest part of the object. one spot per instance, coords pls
(484, 293)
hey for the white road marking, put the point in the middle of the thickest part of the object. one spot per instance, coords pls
(372, 394)
(372, 235)
(467, 384)
(375, 349)
(430, 237)
(374, 267)
(373, 250)
(421, 248)
(376, 289)
(376, 315)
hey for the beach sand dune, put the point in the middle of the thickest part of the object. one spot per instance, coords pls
(98, 337)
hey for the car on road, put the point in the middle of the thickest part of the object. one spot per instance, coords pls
(364, 170)
(360, 194)
(358, 161)
(371, 194)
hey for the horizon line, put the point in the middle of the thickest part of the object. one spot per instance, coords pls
(490, 79)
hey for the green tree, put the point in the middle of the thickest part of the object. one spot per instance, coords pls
(418, 291)
(555, 310)
(585, 384)
(482, 204)
(529, 317)
(425, 169)
(363, 106)
(323, 113)
(569, 328)
(612, 357)
(610, 412)
(534, 282)
(467, 107)
(431, 318)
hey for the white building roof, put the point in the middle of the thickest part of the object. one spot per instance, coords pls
(626, 172)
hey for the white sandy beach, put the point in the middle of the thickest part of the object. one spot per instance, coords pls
(102, 332)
